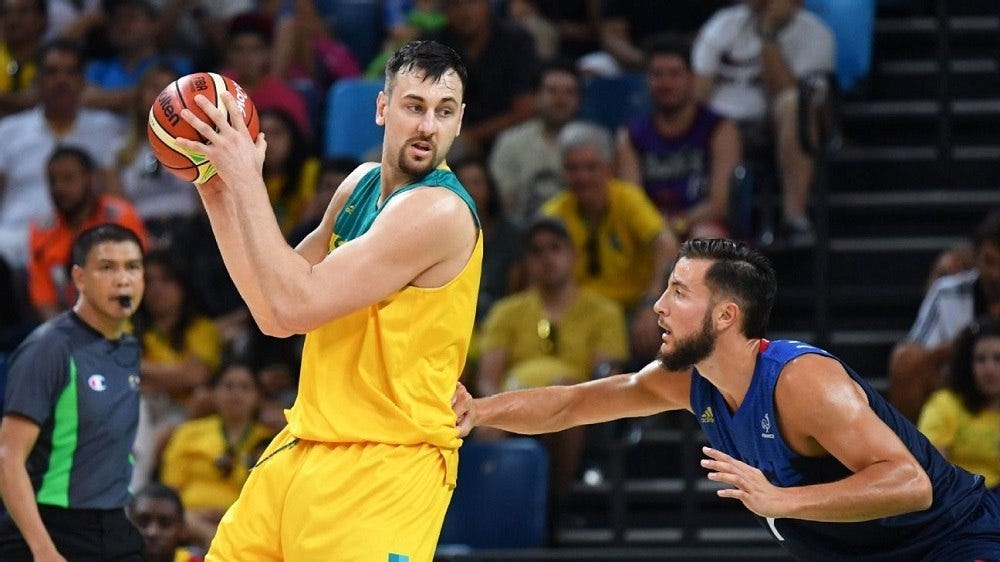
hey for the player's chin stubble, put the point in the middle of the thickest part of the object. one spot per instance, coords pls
(691, 350)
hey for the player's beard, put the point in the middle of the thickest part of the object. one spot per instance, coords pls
(690, 350)
(415, 169)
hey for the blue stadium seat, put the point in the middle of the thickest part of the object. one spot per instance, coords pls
(350, 128)
(613, 101)
(853, 25)
(500, 501)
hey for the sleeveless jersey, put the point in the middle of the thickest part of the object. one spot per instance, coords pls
(386, 373)
(675, 170)
(752, 435)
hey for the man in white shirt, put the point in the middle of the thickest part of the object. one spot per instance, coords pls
(29, 137)
(748, 59)
(525, 161)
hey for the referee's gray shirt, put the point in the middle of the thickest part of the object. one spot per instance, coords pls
(82, 390)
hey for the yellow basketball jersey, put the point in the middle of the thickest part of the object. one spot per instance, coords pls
(386, 373)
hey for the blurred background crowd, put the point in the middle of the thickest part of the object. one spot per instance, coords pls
(598, 135)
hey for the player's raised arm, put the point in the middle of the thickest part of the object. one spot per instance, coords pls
(555, 408)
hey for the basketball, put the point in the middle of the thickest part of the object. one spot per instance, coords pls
(165, 123)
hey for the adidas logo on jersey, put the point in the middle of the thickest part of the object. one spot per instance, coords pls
(707, 416)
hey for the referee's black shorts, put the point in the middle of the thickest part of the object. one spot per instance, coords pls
(80, 535)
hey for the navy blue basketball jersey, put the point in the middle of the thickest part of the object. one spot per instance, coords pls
(751, 434)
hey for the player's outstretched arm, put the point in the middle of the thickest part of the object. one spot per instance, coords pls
(554, 408)
(822, 410)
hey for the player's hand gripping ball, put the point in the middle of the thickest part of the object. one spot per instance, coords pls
(165, 123)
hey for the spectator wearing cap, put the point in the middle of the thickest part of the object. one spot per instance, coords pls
(554, 332)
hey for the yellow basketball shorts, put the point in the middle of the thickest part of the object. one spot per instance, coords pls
(309, 501)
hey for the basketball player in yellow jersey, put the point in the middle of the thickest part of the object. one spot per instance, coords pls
(385, 290)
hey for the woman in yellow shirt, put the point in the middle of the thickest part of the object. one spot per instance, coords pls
(208, 459)
(963, 420)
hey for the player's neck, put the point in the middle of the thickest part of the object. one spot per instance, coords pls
(730, 367)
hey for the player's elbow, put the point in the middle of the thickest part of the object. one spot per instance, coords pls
(919, 491)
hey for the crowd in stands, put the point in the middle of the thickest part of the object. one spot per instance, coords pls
(581, 223)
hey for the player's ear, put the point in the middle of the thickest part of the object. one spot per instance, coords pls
(380, 104)
(726, 313)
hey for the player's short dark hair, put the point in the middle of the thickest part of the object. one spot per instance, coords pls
(430, 57)
(107, 232)
(740, 272)
(668, 44)
(75, 152)
(157, 491)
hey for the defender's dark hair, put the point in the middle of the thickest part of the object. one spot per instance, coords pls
(741, 273)
(668, 44)
(960, 377)
(107, 232)
(430, 57)
(157, 491)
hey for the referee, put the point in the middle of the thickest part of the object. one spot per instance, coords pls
(70, 414)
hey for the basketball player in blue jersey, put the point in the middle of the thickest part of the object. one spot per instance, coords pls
(828, 466)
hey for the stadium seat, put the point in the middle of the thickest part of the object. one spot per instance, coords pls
(853, 25)
(500, 501)
(350, 128)
(613, 101)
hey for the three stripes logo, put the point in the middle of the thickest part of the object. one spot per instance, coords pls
(707, 416)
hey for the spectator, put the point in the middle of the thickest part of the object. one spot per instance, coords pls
(306, 52)
(577, 24)
(963, 419)
(625, 244)
(212, 288)
(747, 60)
(196, 29)
(163, 200)
(682, 153)
(181, 350)
(181, 347)
(525, 160)
(78, 206)
(30, 136)
(626, 25)
(290, 168)
(526, 14)
(332, 172)
(501, 238)
(22, 27)
(917, 365)
(207, 460)
(249, 39)
(552, 333)
(159, 515)
(954, 260)
(405, 20)
(132, 32)
(500, 57)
